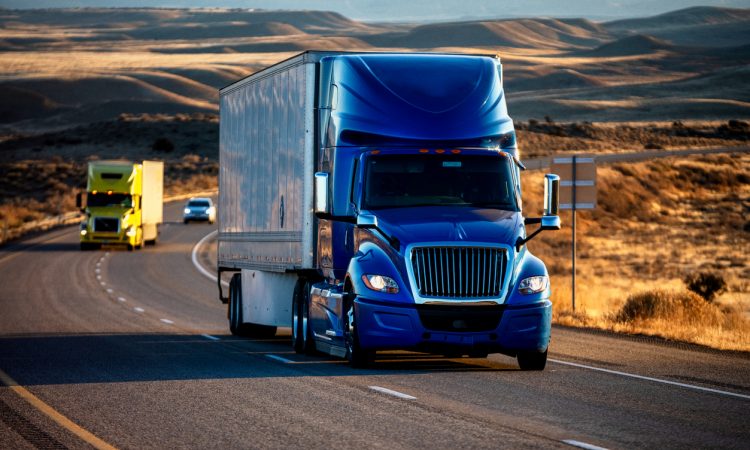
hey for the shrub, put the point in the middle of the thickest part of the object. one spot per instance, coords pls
(162, 144)
(706, 284)
(669, 306)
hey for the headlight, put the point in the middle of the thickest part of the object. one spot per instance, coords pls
(533, 285)
(380, 283)
(210, 210)
(187, 211)
(83, 232)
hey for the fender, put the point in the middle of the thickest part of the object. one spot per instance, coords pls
(372, 259)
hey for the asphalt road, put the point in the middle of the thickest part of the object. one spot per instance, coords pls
(132, 350)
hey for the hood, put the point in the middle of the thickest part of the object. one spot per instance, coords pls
(450, 224)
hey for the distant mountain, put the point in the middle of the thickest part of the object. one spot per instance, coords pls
(415, 10)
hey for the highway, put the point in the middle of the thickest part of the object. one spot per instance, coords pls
(117, 349)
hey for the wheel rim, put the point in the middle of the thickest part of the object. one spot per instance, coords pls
(349, 330)
(295, 321)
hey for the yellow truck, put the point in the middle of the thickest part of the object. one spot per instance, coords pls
(123, 205)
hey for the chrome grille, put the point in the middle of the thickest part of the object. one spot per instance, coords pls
(106, 224)
(459, 272)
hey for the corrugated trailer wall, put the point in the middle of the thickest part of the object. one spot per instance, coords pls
(266, 156)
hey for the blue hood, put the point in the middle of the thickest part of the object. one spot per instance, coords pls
(450, 224)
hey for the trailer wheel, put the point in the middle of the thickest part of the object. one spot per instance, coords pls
(236, 324)
(302, 339)
(532, 360)
(357, 356)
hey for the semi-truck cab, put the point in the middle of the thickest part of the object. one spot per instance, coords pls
(373, 202)
(123, 204)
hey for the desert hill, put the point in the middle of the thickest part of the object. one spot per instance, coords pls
(63, 67)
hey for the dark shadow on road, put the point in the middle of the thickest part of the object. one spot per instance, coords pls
(115, 358)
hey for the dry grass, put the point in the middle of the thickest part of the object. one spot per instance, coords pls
(655, 223)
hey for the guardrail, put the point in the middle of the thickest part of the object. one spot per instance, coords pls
(8, 234)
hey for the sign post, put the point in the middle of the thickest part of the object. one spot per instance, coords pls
(577, 191)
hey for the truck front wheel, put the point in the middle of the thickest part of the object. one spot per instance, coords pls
(357, 356)
(532, 360)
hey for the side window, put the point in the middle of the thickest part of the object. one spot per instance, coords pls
(353, 188)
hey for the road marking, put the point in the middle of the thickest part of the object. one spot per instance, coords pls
(98, 277)
(109, 291)
(98, 271)
(208, 336)
(122, 299)
(102, 283)
(580, 444)
(656, 380)
(140, 310)
(279, 358)
(198, 265)
(393, 393)
(50, 412)
(167, 321)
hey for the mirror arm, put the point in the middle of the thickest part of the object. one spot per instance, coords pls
(521, 241)
(327, 216)
(393, 241)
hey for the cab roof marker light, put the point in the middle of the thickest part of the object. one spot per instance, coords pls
(423, 150)
(455, 151)
(440, 151)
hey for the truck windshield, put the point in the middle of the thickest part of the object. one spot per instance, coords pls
(399, 181)
(104, 199)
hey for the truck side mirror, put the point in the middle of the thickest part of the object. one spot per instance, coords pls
(321, 193)
(551, 194)
(79, 201)
(551, 219)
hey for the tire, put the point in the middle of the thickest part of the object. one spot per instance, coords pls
(300, 317)
(355, 354)
(236, 323)
(532, 360)
(130, 248)
(233, 307)
(151, 242)
(185, 221)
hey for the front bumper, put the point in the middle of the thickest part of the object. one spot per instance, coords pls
(518, 327)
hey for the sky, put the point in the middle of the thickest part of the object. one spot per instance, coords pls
(416, 10)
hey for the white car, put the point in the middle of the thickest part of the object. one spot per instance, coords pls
(199, 208)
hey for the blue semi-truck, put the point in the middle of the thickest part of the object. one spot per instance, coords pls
(372, 201)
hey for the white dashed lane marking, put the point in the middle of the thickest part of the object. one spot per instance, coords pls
(393, 393)
(140, 310)
(583, 445)
(122, 299)
(167, 321)
(280, 359)
(208, 336)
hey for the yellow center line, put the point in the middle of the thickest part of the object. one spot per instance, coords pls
(66, 423)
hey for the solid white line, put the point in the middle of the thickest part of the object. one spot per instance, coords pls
(580, 444)
(393, 393)
(140, 310)
(167, 321)
(122, 299)
(279, 358)
(197, 265)
(208, 336)
(656, 380)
